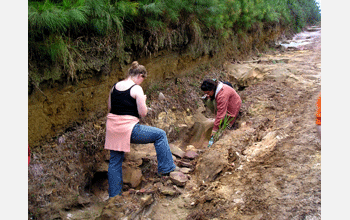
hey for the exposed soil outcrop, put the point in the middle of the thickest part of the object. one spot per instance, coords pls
(62, 104)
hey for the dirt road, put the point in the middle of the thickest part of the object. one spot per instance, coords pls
(272, 162)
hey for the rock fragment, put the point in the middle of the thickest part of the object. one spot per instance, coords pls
(175, 150)
(178, 178)
(190, 155)
(146, 200)
(161, 96)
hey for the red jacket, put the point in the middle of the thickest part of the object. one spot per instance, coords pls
(227, 101)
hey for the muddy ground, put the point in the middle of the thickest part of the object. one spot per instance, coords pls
(268, 167)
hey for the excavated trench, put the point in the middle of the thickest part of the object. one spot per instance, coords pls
(268, 167)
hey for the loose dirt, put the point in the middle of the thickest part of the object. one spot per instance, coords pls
(273, 159)
(267, 167)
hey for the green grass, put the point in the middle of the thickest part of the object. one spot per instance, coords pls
(147, 26)
(222, 126)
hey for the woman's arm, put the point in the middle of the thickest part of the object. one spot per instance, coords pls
(137, 93)
(221, 102)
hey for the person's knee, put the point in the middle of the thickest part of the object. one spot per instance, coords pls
(162, 133)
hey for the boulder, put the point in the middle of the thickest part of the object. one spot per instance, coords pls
(132, 176)
(211, 163)
(244, 75)
(134, 157)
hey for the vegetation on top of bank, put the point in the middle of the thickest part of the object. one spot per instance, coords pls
(68, 36)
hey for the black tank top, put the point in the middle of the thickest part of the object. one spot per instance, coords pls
(122, 103)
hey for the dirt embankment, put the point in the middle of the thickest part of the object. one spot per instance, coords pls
(60, 105)
(268, 167)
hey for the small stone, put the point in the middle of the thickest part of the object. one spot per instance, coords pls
(185, 170)
(126, 193)
(169, 182)
(168, 192)
(161, 96)
(176, 151)
(178, 178)
(158, 185)
(62, 139)
(190, 154)
(190, 147)
(132, 191)
(146, 200)
(141, 191)
(185, 164)
(83, 201)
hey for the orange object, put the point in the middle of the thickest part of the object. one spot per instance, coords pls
(318, 110)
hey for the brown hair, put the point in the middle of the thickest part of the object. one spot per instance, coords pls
(137, 69)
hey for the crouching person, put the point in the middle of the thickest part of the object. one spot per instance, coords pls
(228, 102)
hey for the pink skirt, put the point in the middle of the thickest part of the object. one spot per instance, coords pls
(118, 131)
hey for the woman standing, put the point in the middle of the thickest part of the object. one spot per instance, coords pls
(126, 104)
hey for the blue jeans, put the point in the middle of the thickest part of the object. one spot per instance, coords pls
(141, 134)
